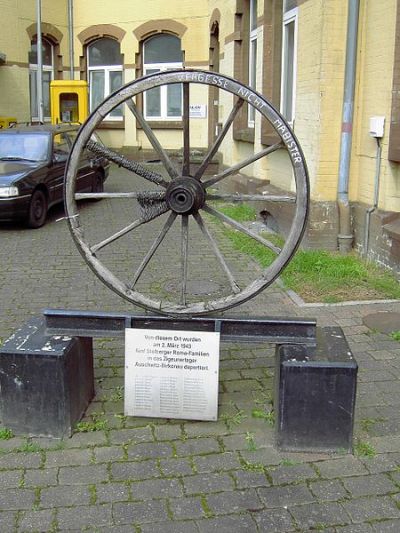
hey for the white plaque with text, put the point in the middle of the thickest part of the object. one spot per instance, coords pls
(198, 111)
(171, 374)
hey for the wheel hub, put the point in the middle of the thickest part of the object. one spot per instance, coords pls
(185, 195)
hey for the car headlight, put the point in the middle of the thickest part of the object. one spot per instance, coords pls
(7, 192)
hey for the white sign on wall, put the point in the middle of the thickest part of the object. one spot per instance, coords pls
(171, 374)
(198, 111)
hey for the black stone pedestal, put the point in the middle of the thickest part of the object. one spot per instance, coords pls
(46, 381)
(315, 391)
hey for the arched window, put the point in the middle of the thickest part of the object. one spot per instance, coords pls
(162, 52)
(47, 76)
(104, 72)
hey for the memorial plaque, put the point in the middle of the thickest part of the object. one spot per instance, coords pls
(171, 374)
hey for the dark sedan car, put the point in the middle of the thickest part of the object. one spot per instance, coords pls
(32, 164)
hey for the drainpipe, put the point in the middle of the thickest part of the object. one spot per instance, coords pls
(71, 37)
(345, 236)
(39, 54)
(371, 209)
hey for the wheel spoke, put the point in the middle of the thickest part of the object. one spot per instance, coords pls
(138, 222)
(235, 287)
(184, 256)
(162, 154)
(242, 164)
(219, 139)
(251, 198)
(186, 131)
(124, 162)
(241, 228)
(99, 195)
(153, 248)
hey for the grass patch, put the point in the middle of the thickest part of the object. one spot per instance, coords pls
(317, 275)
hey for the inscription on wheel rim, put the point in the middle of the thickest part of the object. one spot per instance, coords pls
(177, 193)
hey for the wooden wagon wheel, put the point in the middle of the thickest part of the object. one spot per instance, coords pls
(177, 193)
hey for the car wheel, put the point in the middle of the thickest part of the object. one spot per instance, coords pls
(37, 209)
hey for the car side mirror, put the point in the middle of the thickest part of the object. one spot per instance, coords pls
(59, 158)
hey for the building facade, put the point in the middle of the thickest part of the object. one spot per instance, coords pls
(328, 66)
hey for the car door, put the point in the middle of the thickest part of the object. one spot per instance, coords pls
(60, 152)
(85, 177)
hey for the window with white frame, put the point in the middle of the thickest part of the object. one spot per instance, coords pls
(252, 56)
(162, 52)
(104, 73)
(289, 59)
(47, 77)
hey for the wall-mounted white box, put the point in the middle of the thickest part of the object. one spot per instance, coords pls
(376, 126)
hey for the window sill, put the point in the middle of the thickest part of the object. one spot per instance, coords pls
(245, 135)
(112, 125)
(163, 124)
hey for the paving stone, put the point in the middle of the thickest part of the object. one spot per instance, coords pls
(134, 470)
(64, 496)
(67, 458)
(20, 460)
(267, 456)
(11, 478)
(331, 490)
(344, 466)
(112, 492)
(186, 508)
(79, 475)
(133, 435)
(386, 444)
(40, 478)
(40, 520)
(372, 508)
(105, 454)
(8, 520)
(170, 527)
(237, 501)
(228, 524)
(386, 462)
(150, 450)
(140, 512)
(245, 479)
(313, 516)
(216, 462)
(388, 526)
(205, 483)
(369, 485)
(292, 474)
(84, 517)
(168, 432)
(275, 520)
(156, 488)
(197, 446)
(16, 499)
(92, 438)
(285, 496)
(202, 429)
(355, 528)
(176, 467)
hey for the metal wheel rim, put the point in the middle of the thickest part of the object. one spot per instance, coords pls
(288, 140)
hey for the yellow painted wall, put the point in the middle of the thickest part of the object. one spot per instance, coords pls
(374, 98)
(18, 15)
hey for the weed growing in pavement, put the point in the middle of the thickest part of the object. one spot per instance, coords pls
(29, 447)
(366, 424)
(269, 417)
(233, 419)
(6, 434)
(252, 467)
(96, 424)
(288, 462)
(395, 335)
(118, 394)
(251, 443)
(364, 449)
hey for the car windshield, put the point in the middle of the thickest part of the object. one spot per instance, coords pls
(26, 146)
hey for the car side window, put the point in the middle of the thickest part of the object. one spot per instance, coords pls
(61, 147)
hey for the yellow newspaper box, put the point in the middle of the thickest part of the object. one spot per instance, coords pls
(7, 122)
(69, 101)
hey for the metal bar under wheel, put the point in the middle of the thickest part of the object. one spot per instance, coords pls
(250, 329)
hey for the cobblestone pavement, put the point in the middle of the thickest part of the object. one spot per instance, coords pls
(149, 476)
